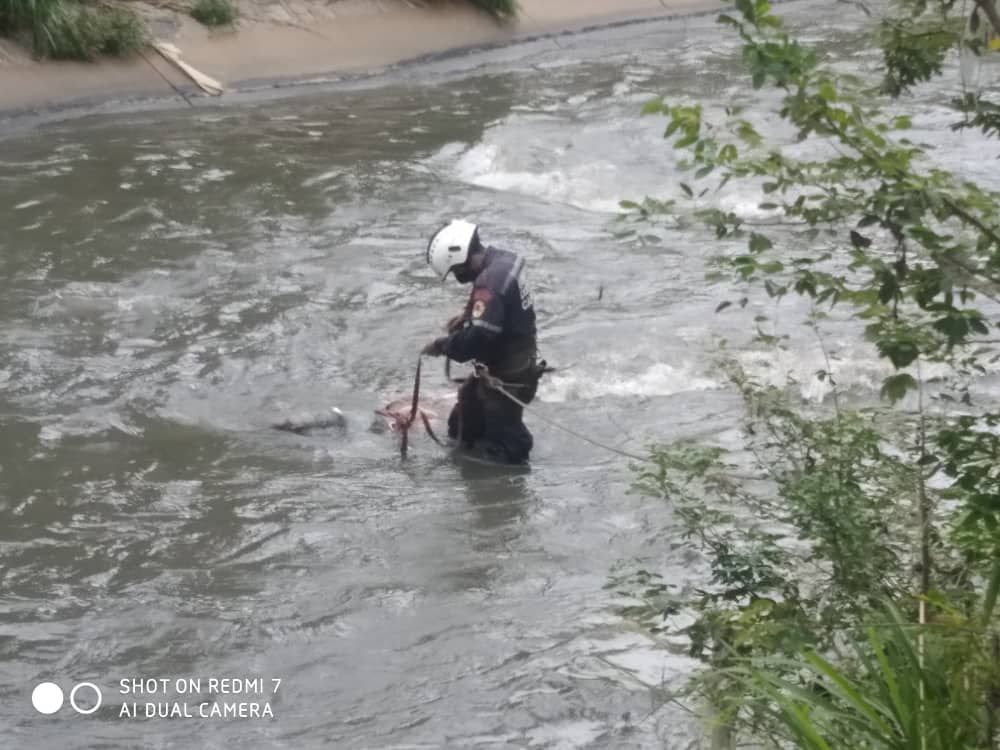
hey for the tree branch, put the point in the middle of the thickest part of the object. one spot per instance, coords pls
(969, 218)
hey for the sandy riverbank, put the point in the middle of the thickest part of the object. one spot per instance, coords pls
(296, 40)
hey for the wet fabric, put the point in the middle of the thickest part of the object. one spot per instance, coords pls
(487, 422)
(497, 330)
(498, 324)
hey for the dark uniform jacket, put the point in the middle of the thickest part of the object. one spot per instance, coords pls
(498, 328)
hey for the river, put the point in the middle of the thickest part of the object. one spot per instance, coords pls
(172, 281)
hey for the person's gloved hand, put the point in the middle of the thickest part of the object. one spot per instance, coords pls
(436, 348)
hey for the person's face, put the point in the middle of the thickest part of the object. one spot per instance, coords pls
(466, 272)
(463, 274)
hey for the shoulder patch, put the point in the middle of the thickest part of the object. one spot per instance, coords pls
(481, 297)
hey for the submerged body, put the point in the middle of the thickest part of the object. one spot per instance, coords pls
(335, 420)
(394, 416)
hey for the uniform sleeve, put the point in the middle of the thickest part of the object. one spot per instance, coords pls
(483, 323)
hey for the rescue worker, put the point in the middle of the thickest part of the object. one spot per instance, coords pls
(496, 329)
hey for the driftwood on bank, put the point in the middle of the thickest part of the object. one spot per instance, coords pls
(172, 54)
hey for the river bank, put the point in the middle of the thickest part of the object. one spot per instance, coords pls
(290, 42)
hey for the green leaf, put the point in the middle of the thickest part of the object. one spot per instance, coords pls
(889, 288)
(628, 205)
(723, 305)
(859, 241)
(652, 107)
(759, 243)
(954, 326)
(900, 351)
(687, 190)
(806, 285)
(990, 598)
(848, 691)
(888, 674)
(895, 387)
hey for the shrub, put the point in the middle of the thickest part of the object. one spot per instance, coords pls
(498, 8)
(67, 30)
(214, 12)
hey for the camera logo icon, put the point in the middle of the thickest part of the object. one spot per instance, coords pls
(47, 698)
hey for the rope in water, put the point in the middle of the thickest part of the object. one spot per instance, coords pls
(492, 382)
(480, 371)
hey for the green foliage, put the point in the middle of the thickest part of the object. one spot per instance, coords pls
(818, 549)
(849, 509)
(17, 15)
(970, 456)
(979, 113)
(214, 12)
(827, 482)
(69, 30)
(896, 695)
(914, 51)
(497, 8)
(916, 237)
(652, 600)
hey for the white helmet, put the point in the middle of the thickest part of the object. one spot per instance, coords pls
(449, 247)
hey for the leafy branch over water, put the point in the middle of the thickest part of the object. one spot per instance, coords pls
(852, 590)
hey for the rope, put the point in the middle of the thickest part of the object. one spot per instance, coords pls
(169, 82)
(415, 411)
(492, 382)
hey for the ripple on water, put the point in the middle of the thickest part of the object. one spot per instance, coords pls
(659, 379)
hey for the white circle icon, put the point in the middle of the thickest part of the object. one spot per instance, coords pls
(47, 697)
(72, 698)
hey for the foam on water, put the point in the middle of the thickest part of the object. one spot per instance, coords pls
(558, 173)
(483, 166)
(855, 366)
(566, 735)
(594, 382)
(330, 174)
